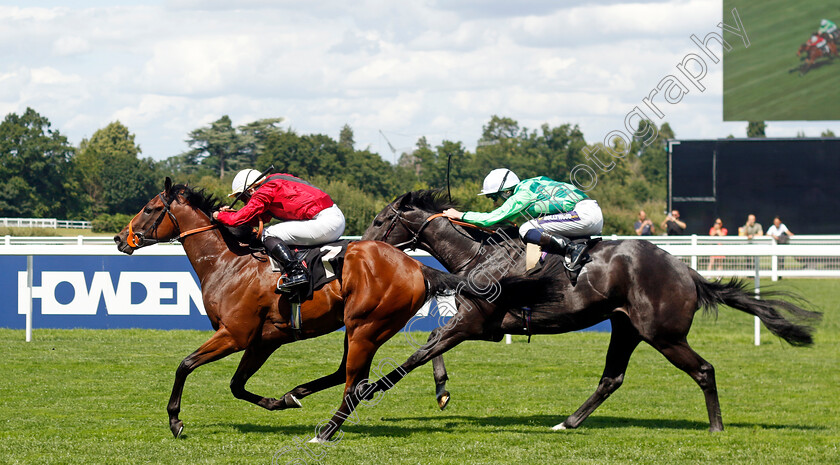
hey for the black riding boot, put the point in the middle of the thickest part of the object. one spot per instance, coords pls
(295, 272)
(560, 245)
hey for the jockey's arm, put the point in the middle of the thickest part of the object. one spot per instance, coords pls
(512, 207)
(257, 205)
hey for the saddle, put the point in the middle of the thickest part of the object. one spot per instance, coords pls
(535, 258)
(323, 264)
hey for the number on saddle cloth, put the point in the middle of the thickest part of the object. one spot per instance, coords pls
(323, 264)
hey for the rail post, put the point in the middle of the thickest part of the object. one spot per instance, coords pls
(29, 272)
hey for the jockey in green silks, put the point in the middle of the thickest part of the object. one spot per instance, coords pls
(552, 212)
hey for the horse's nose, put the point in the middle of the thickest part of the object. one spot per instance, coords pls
(117, 238)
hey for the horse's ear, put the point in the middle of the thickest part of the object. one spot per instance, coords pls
(404, 201)
(167, 186)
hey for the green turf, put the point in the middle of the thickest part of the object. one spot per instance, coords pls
(97, 397)
(757, 84)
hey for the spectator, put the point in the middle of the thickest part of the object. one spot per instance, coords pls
(781, 234)
(644, 227)
(779, 231)
(752, 229)
(717, 230)
(672, 224)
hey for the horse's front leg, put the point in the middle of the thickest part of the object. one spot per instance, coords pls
(218, 346)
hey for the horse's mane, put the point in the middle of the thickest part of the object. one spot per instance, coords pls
(434, 200)
(208, 203)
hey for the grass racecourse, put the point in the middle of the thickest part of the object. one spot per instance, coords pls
(757, 84)
(98, 397)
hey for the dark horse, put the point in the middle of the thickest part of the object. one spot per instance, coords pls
(380, 290)
(647, 294)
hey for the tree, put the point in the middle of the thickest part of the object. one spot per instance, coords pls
(217, 146)
(111, 174)
(756, 129)
(345, 138)
(254, 136)
(827, 133)
(36, 172)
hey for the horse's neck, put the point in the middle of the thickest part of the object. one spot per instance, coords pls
(460, 253)
(205, 248)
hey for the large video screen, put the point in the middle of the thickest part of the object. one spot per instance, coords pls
(796, 179)
(779, 76)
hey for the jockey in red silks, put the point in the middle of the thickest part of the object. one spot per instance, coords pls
(308, 217)
(819, 42)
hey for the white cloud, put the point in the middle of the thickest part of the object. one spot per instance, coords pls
(70, 45)
(52, 76)
(435, 68)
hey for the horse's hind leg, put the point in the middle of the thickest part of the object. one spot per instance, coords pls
(439, 369)
(252, 360)
(623, 341)
(686, 359)
(359, 358)
(324, 382)
(220, 345)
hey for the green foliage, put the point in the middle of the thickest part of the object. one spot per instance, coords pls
(36, 172)
(359, 207)
(221, 148)
(111, 174)
(828, 133)
(106, 223)
(27, 232)
(756, 129)
(44, 177)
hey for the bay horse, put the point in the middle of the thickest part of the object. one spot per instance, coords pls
(812, 54)
(380, 290)
(646, 294)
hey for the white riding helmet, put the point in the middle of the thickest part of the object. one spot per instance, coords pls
(242, 180)
(823, 22)
(499, 180)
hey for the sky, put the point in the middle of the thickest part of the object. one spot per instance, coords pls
(393, 71)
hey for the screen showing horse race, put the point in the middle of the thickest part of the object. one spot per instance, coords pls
(788, 72)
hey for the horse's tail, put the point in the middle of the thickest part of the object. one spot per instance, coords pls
(507, 292)
(736, 294)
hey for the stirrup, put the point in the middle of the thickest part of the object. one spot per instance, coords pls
(288, 282)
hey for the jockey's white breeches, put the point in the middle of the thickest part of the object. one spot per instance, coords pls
(326, 226)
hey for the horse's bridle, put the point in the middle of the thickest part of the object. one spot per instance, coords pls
(415, 239)
(139, 239)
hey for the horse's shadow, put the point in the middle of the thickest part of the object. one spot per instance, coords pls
(818, 65)
(540, 424)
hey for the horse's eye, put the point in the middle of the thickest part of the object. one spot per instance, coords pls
(377, 223)
(147, 210)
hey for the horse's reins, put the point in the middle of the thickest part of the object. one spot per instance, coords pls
(412, 243)
(138, 240)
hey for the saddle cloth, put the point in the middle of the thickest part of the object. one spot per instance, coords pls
(323, 263)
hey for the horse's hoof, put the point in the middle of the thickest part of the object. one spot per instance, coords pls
(291, 401)
(317, 440)
(177, 428)
(559, 427)
(443, 400)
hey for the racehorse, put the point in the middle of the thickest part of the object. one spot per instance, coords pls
(810, 54)
(380, 290)
(647, 294)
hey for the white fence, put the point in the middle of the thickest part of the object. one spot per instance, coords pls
(728, 256)
(44, 223)
(805, 256)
